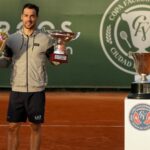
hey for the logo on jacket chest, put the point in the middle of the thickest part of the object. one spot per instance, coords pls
(36, 44)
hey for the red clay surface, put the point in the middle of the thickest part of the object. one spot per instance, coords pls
(75, 121)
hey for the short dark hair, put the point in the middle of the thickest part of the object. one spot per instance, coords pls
(31, 6)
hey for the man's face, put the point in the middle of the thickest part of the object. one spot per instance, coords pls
(29, 18)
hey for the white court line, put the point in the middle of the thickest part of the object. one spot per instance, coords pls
(76, 126)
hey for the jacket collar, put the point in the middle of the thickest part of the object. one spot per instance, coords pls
(35, 32)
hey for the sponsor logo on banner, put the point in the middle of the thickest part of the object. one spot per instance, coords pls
(46, 25)
(124, 28)
(140, 117)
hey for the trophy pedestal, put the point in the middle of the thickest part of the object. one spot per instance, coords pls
(140, 90)
(137, 130)
(137, 107)
(62, 58)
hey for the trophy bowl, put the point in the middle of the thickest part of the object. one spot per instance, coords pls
(61, 38)
(142, 64)
(3, 38)
(141, 89)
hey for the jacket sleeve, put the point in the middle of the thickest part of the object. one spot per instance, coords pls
(49, 51)
(4, 62)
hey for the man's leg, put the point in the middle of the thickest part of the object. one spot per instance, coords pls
(35, 140)
(13, 136)
(35, 107)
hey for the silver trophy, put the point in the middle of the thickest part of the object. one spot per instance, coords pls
(141, 88)
(61, 39)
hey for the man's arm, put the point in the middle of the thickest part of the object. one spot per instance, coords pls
(49, 51)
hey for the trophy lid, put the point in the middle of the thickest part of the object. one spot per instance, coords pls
(141, 62)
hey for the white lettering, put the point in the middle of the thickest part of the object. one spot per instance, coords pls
(19, 26)
(61, 57)
(65, 26)
(49, 24)
(120, 58)
(39, 117)
(115, 12)
(4, 26)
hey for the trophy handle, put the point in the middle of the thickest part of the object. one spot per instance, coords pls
(3, 38)
(3, 44)
(77, 36)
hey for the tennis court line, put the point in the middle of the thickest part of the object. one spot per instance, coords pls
(76, 126)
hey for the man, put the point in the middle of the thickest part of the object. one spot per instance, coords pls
(27, 51)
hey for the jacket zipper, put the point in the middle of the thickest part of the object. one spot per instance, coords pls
(27, 64)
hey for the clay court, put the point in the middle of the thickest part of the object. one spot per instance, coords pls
(75, 121)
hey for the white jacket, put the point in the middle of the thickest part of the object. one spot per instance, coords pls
(28, 61)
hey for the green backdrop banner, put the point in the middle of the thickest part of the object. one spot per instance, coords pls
(99, 57)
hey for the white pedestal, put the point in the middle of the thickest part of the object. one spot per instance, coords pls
(137, 124)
